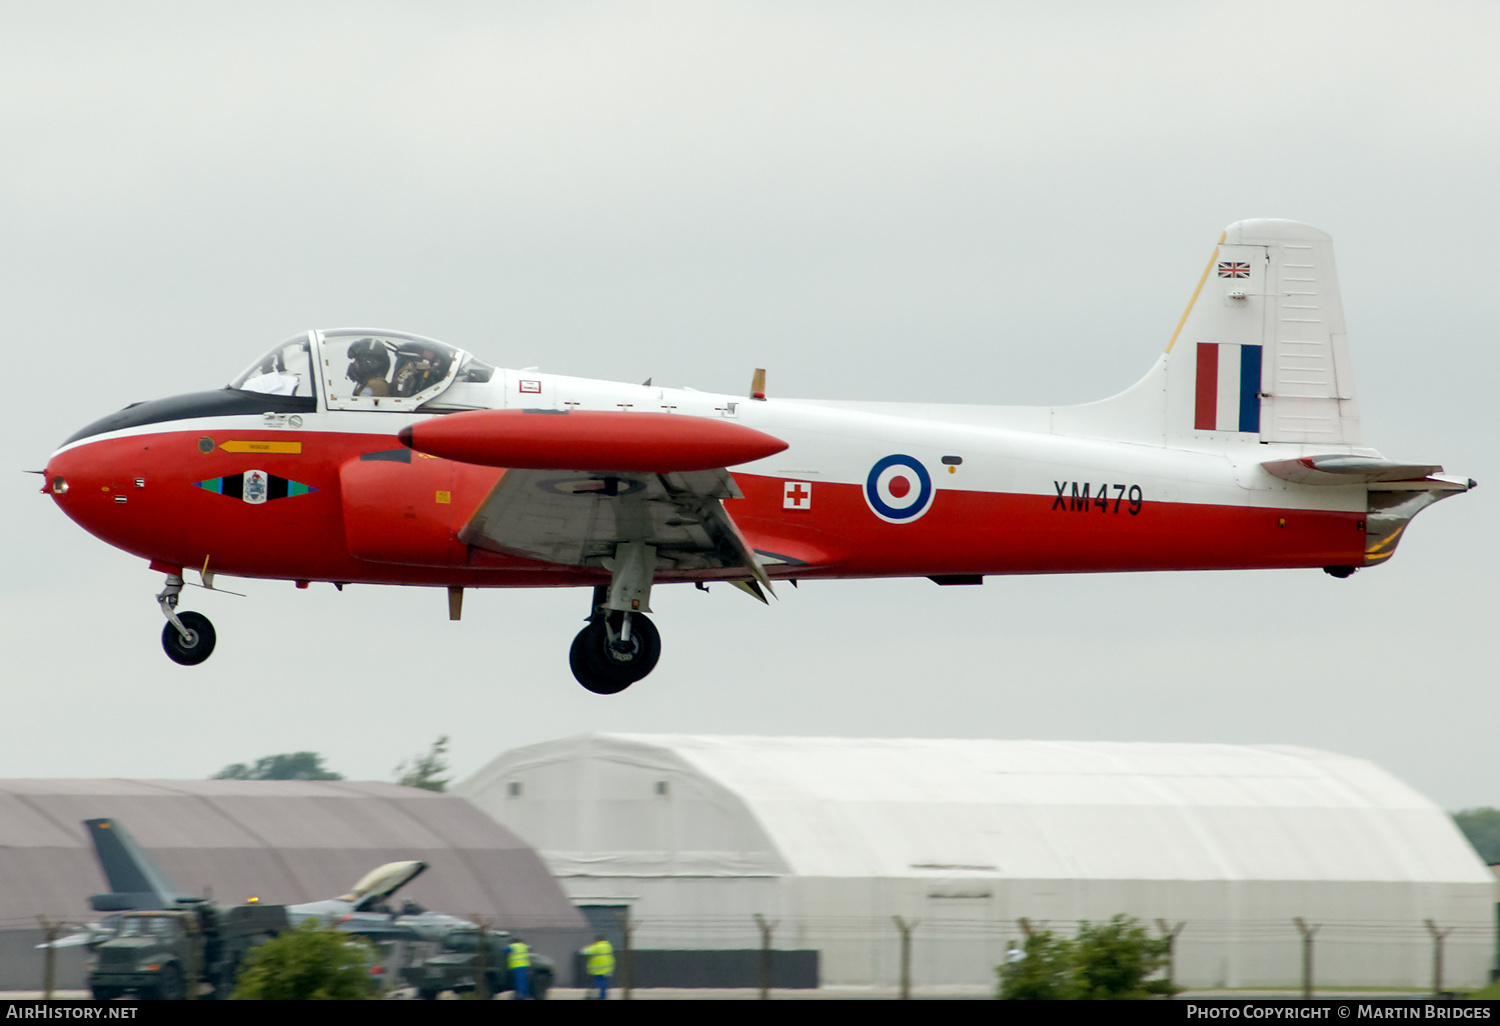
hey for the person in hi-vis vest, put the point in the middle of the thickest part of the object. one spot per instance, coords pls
(601, 965)
(518, 960)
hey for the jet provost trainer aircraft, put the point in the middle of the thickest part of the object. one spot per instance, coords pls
(377, 457)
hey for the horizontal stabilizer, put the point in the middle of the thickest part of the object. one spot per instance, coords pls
(654, 443)
(1348, 470)
(119, 901)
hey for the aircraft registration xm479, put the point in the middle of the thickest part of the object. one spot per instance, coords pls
(377, 457)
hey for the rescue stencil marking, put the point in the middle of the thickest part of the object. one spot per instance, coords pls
(280, 448)
(898, 489)
(255, 487)
(796, 495)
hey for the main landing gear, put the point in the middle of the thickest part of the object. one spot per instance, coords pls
(619, 646)
(188, 637)
(614, 651)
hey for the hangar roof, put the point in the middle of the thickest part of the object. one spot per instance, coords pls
(283, 841)
(1022, 809)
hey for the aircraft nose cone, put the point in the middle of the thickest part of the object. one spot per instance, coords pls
(62, 476)
(89, 487)
(72, 479)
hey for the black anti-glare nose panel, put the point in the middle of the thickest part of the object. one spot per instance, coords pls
(226, 402)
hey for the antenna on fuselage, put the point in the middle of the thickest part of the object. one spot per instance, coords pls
(758, 384)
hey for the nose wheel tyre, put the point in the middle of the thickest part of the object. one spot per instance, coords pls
(199, 644)
(605, 666)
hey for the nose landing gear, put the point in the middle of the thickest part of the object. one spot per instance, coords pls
(188, 637)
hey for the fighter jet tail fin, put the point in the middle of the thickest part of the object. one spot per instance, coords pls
(135, 880)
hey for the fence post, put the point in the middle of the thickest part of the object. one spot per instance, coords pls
(765, 955)
(194, 982)
(627, 954)
(1171, 935)
(906, 929)
(1437, 955)
(49, 961)
(1307, 952)
(482, 961)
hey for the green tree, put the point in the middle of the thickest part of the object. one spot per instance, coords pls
(425, 770)
(1114, 959)
(1107, 961)
(309, 963)
(1046, 973)
(288, 766)
(1482, 828)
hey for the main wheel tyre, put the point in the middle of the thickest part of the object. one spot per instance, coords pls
(606, 670)
(199, 645)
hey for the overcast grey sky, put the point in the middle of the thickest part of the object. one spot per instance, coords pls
(967, 202)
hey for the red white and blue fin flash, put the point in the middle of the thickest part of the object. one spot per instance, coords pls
(1228, 387)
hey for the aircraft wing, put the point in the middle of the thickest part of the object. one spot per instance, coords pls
(385, 930)
(578, 518)
(78, 940)
(651, 478)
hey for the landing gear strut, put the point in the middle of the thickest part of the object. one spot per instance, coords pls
(188, 637)
(619, 646)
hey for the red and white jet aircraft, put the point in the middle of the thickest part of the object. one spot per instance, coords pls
(377, 457)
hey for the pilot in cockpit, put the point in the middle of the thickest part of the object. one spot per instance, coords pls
(369, 363)
(417, 367)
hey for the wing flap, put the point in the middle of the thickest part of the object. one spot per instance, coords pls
(580, 518)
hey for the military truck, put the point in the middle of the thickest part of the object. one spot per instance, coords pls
(460, 957)
(172, 954)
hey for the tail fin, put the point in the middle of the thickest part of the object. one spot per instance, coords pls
(1262, 348)
(1260, 353)
(135, 880)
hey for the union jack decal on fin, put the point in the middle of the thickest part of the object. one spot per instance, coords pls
(1234, 269)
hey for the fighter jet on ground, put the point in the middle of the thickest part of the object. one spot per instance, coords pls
(141, 951)
(138, 884)
(359, 455)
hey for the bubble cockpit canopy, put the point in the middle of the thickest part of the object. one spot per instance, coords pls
(285, 370)
(363, 369)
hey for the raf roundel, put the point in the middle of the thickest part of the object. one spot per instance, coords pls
(898, 489)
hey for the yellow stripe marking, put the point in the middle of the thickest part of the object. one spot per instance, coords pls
(284, 448)
(1206, 269)
(1385, 548)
